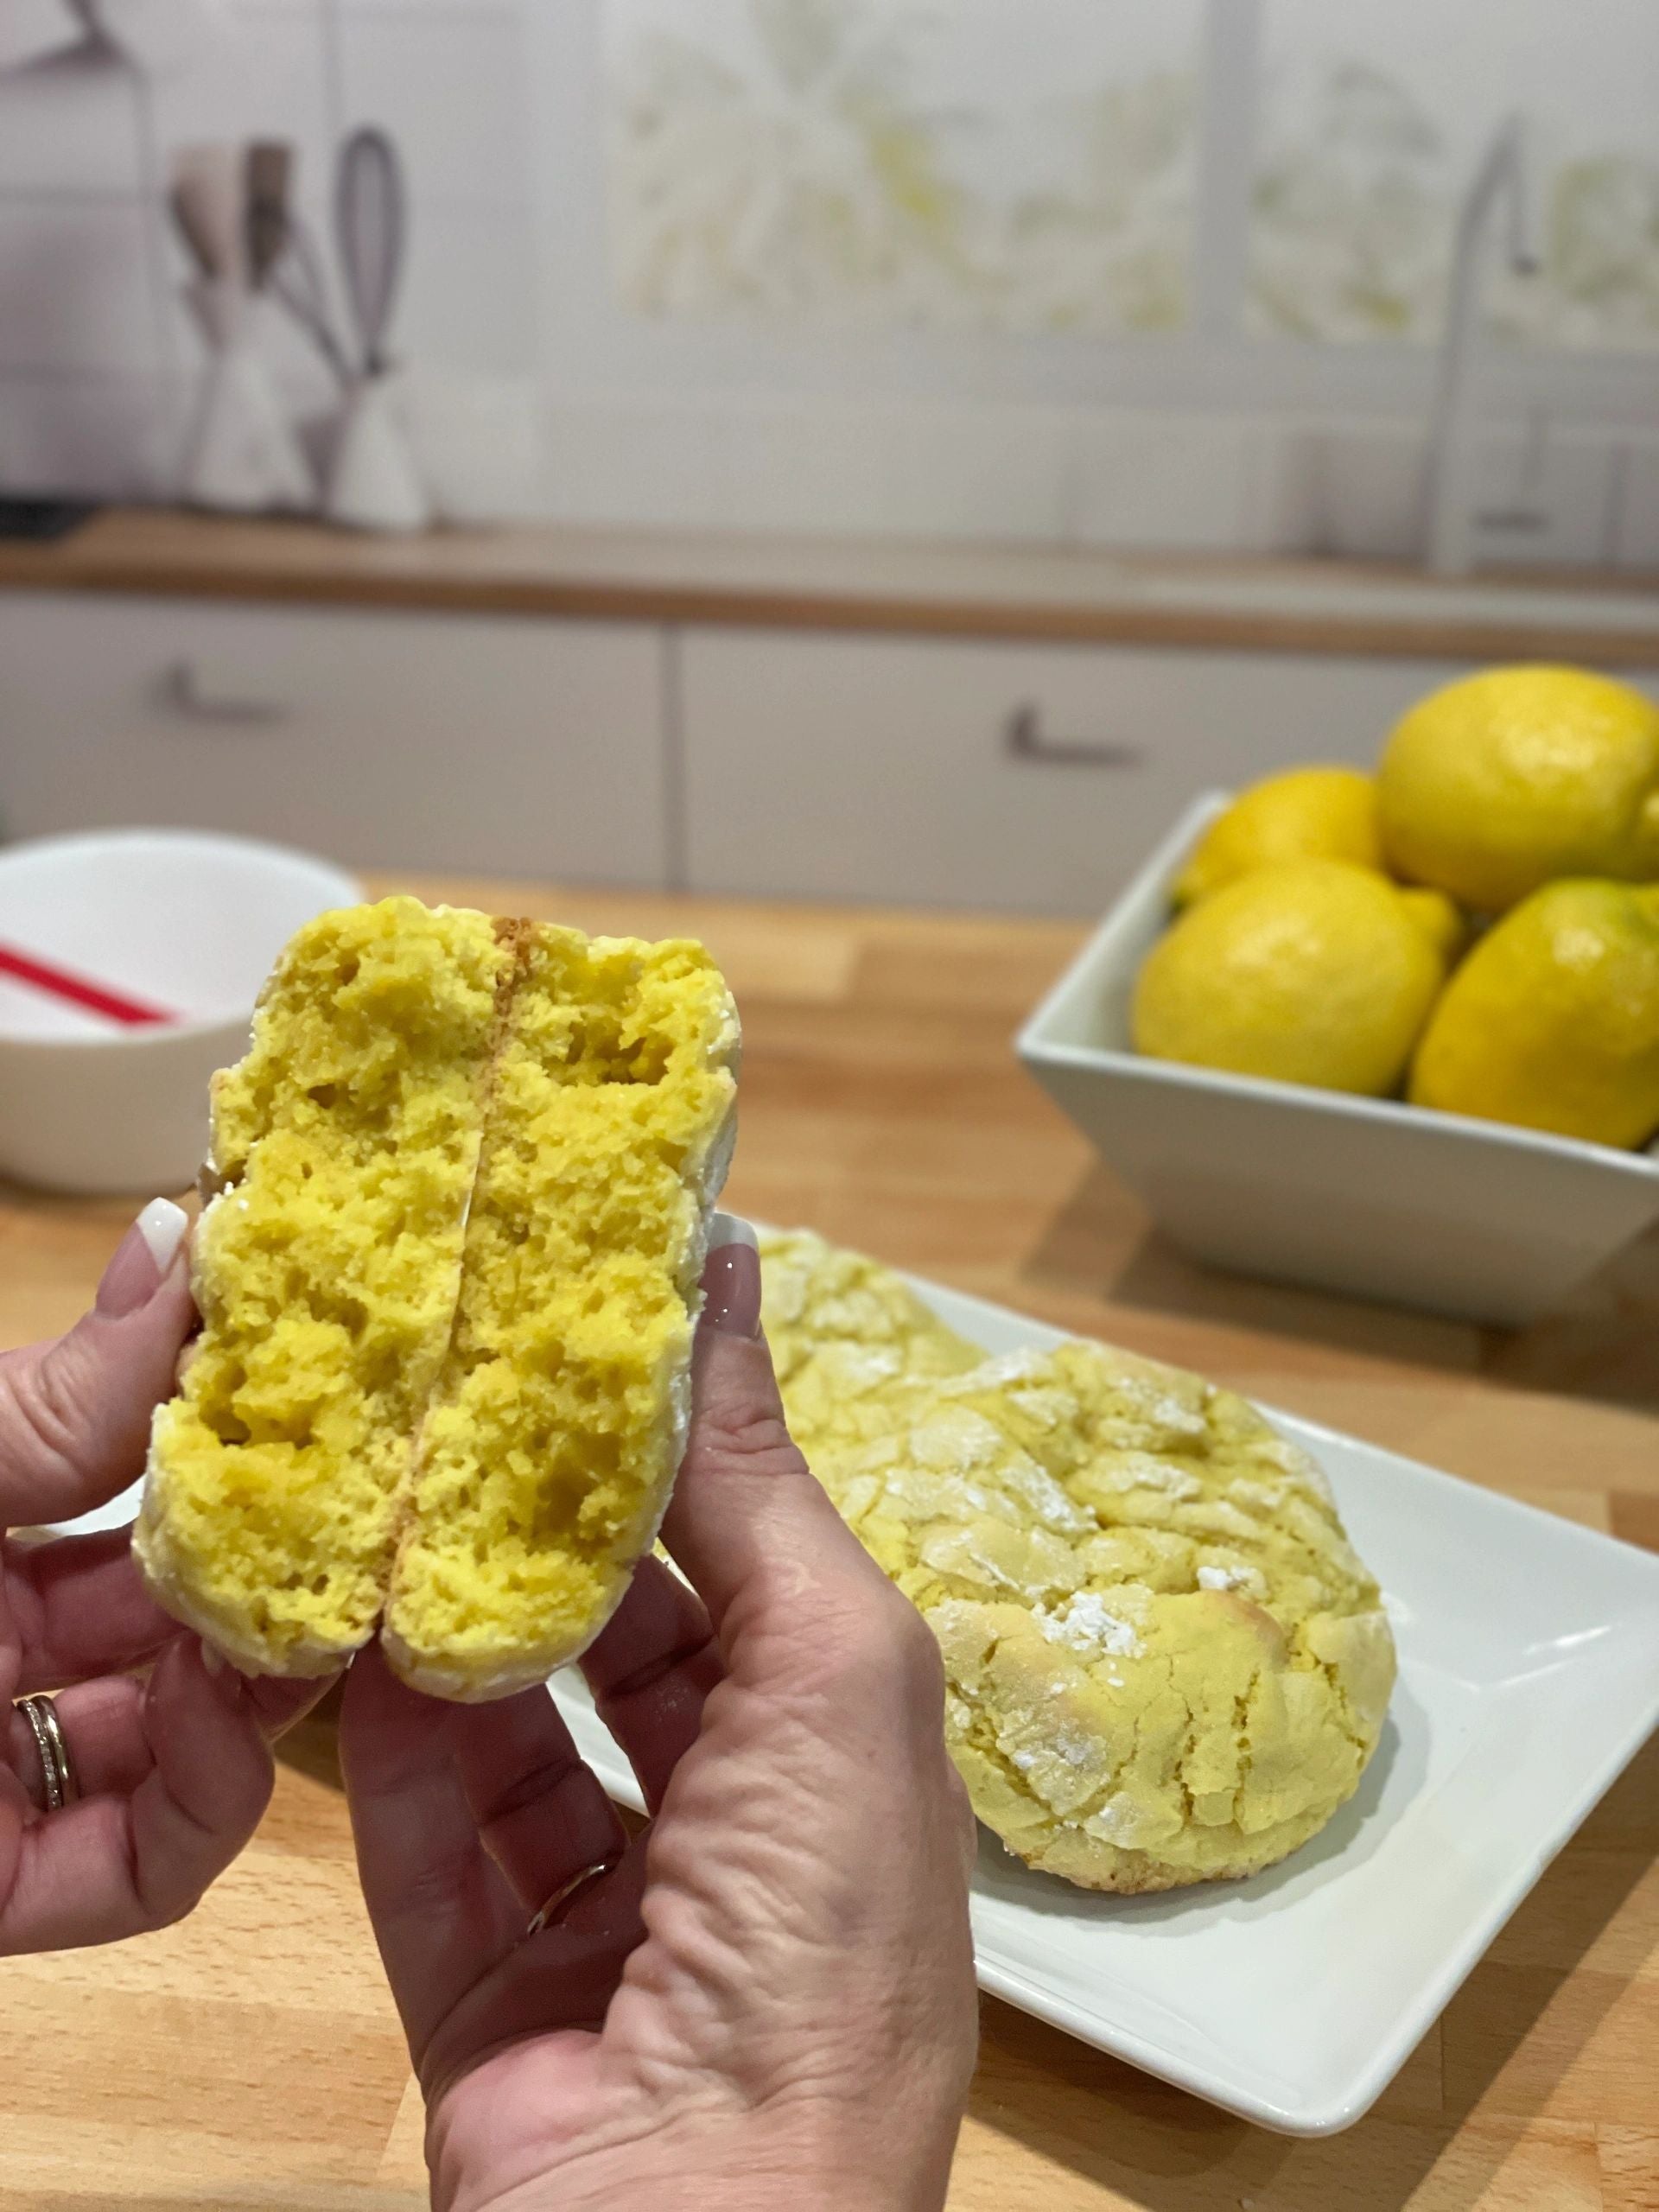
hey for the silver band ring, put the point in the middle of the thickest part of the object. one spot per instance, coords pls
(57, 1768)
(563, 1898)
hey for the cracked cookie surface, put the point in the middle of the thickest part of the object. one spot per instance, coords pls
(1165, 1662)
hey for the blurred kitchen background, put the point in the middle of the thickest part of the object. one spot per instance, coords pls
(940, 436)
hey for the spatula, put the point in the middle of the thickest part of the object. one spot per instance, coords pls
(207, 198)
(267, 170)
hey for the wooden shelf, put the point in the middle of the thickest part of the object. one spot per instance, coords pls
(1188, 602)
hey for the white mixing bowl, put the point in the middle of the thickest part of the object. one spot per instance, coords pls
(176, 918)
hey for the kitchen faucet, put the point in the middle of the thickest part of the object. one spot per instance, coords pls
(1509, 172)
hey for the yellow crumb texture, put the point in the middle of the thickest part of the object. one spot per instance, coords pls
(445, 1286)
(347, 1140)
(541, 1471)
(1164, 1662)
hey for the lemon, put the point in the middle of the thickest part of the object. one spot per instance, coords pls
(1316, 972)
(1553, 1020)
(1305, 813)
(1503, 780)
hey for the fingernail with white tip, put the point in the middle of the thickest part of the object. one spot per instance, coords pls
(144, 1259)
(731, 1229)
(162, 1226)
(731, 1280)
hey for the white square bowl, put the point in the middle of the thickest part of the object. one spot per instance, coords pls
(1370, 1196)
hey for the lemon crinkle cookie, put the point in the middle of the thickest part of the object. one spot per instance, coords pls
(1164, 1662)
(448, 1279)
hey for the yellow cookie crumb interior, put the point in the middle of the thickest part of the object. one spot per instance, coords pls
(327, 1275)
(539, 1469)
(445, 1294)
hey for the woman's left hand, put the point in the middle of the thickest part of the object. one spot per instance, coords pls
(172, 1776)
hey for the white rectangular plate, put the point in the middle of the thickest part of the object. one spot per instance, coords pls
(1528, 1676)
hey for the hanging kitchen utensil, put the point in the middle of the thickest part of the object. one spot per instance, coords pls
(297, 282)
(206, 200)
(198, 235)
(281, 256)
(373, 483)
(267, 170)
(370, 222)
(241, 452)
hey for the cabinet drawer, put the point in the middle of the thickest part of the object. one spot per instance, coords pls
(406, 741)
(990, 775)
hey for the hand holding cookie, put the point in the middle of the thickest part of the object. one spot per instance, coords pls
(769, 1994)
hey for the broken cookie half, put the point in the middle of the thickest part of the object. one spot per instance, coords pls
(447, 1284)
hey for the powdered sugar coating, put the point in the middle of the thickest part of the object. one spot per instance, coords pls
(1164, 1662)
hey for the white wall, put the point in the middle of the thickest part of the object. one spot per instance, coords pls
(1044, 394)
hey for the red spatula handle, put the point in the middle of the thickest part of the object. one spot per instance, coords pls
(97, 998)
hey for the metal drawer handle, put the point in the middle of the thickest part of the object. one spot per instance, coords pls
(180, 691)
(1023, 740)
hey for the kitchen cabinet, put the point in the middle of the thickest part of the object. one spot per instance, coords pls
(631, 739)
(457, 740)
(1000, 775)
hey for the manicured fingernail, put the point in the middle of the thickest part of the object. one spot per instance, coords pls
(211, 1659)
(143, 1259)
(731, 1280)
(731, 1229)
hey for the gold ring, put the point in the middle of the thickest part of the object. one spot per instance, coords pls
(563, 1898)
(57, 1768)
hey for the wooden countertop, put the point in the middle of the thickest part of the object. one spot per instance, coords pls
(251, 2058)
(1075, 597)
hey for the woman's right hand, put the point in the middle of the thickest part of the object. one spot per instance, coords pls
(769, 1999)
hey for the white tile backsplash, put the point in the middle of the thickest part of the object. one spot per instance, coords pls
(480, 442)
(102, 437)
(74, 280)
(665, 466)
(468, 296)
(1154, 480)
(827, 465)
(68, 124)
(964, 471)
(1544, 497)
(30, 29)
(894, 472)
(405, 9)
(1367, 494)
(1636, 538)
(266, 77)
(870, 472)
(449, 85)
(1279, 509)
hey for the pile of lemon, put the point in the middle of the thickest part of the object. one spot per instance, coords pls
(1476, 925)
